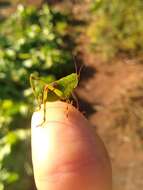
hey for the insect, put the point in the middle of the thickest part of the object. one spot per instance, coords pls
(61, 89)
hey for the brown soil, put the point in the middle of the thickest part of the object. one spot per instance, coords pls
(112, 94)
(115, 93)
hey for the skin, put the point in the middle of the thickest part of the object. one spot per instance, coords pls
(66, 153)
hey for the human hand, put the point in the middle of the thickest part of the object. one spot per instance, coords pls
(66, 154)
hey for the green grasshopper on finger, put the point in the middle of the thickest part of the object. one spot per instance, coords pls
(61, 89)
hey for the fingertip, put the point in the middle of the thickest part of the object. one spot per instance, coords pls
(66, 145)
(57, 111)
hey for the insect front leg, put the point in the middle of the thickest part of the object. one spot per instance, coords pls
(67, 107)
(76, 100)
(39, 102)
(45, 94)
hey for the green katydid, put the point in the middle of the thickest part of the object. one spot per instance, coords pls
(61, 89)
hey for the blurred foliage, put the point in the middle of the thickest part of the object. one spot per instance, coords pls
(117, 27)
(31, 40)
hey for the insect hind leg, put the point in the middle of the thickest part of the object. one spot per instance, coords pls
(45, 93)
(34, 92)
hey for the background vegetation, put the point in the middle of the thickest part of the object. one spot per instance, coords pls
(35, 40)
(117, 27)
(31, 39)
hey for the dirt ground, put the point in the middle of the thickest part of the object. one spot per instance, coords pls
(112, 95)
(115, 96)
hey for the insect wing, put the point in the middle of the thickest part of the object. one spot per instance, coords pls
(67, 84)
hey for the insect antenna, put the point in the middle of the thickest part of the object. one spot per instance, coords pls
(76, 69)
(80, 69)
(75, 64)
(78, 76)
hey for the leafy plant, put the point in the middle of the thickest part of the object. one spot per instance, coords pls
(31, 40)
(117, 27)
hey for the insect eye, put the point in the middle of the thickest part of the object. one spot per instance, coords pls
(55, 84)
